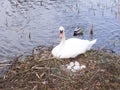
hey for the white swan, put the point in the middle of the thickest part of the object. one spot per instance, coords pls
(72, 47)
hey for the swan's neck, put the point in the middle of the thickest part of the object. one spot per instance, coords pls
(62, 40)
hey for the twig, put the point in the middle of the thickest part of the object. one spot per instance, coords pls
(37, 75)
(94, 75)
(35, 67)
(35, 87)
(51, 58)
(62, 78)
(4, 65)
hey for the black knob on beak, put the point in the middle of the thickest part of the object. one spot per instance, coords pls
(61, 31)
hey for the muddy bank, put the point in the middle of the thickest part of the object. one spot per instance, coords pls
(40, 71)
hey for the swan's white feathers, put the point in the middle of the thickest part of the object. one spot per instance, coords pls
(72, 47)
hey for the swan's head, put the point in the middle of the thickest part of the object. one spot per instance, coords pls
(61, 29)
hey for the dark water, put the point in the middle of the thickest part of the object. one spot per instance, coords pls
(25, 24)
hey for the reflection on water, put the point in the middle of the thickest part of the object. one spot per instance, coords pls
(25, 24)
(118, 13)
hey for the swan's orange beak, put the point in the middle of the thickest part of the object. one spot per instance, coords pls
(61, 34)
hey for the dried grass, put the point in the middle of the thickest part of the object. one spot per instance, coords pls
(41, 71)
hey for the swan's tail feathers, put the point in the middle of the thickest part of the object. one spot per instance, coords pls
(92, 43)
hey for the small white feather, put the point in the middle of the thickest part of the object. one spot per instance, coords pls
(83, 66)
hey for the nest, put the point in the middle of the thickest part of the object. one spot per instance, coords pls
(41, 71)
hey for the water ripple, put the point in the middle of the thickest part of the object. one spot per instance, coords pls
(26, 24)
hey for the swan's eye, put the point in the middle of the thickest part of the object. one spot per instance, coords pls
(61, 31)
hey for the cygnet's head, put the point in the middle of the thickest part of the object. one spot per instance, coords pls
(72, 64)
(77, 63)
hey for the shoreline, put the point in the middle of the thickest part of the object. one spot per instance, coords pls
(41, 71)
